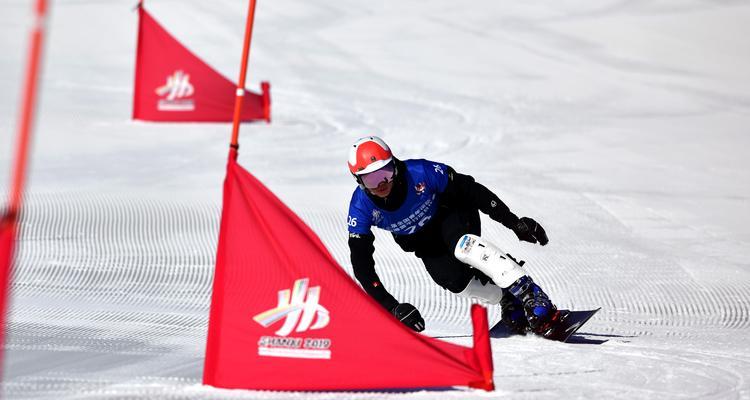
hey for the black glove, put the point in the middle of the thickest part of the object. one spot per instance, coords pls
(529, 230)
(409, 315)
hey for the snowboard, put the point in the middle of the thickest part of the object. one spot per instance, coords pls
(561, 331)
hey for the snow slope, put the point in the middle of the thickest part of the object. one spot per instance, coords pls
(621, 126)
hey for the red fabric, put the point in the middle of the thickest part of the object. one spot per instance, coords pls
(7, 244)
(173, 84)
(482, 347)
(264, 248)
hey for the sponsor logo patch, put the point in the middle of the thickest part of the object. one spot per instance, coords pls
(419, 188)
(467, 243)
(377, 216)
(298, 308)
(176, 93)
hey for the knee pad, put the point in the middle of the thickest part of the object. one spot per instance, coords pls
(486, 292)
(489, 259)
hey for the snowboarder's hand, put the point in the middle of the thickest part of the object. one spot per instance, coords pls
(409, 315)
(529, 230)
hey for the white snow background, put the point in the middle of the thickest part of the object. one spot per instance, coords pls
(622, 126)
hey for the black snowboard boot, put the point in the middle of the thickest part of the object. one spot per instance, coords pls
(513, 315)
(539, 310)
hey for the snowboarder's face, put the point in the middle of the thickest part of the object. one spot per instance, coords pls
(379, 182)
(383, 190)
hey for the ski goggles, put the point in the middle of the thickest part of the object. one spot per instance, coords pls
(384, 175)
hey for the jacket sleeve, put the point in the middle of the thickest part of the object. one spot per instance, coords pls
(464, 190)
(362, 248)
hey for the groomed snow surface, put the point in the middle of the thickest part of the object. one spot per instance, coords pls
(621, 126)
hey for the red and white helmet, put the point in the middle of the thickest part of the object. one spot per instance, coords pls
(369, 154)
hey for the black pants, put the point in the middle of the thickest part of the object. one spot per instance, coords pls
(435, 243)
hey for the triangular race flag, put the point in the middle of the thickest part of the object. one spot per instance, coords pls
(285, 316)
(173, 85)
(7, 244)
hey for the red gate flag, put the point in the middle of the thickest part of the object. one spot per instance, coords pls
(172, 84)
(285, 316)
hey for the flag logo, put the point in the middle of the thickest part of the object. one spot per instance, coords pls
(175, 93)
(298, 307)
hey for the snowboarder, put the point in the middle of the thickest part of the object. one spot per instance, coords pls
(433, 211)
